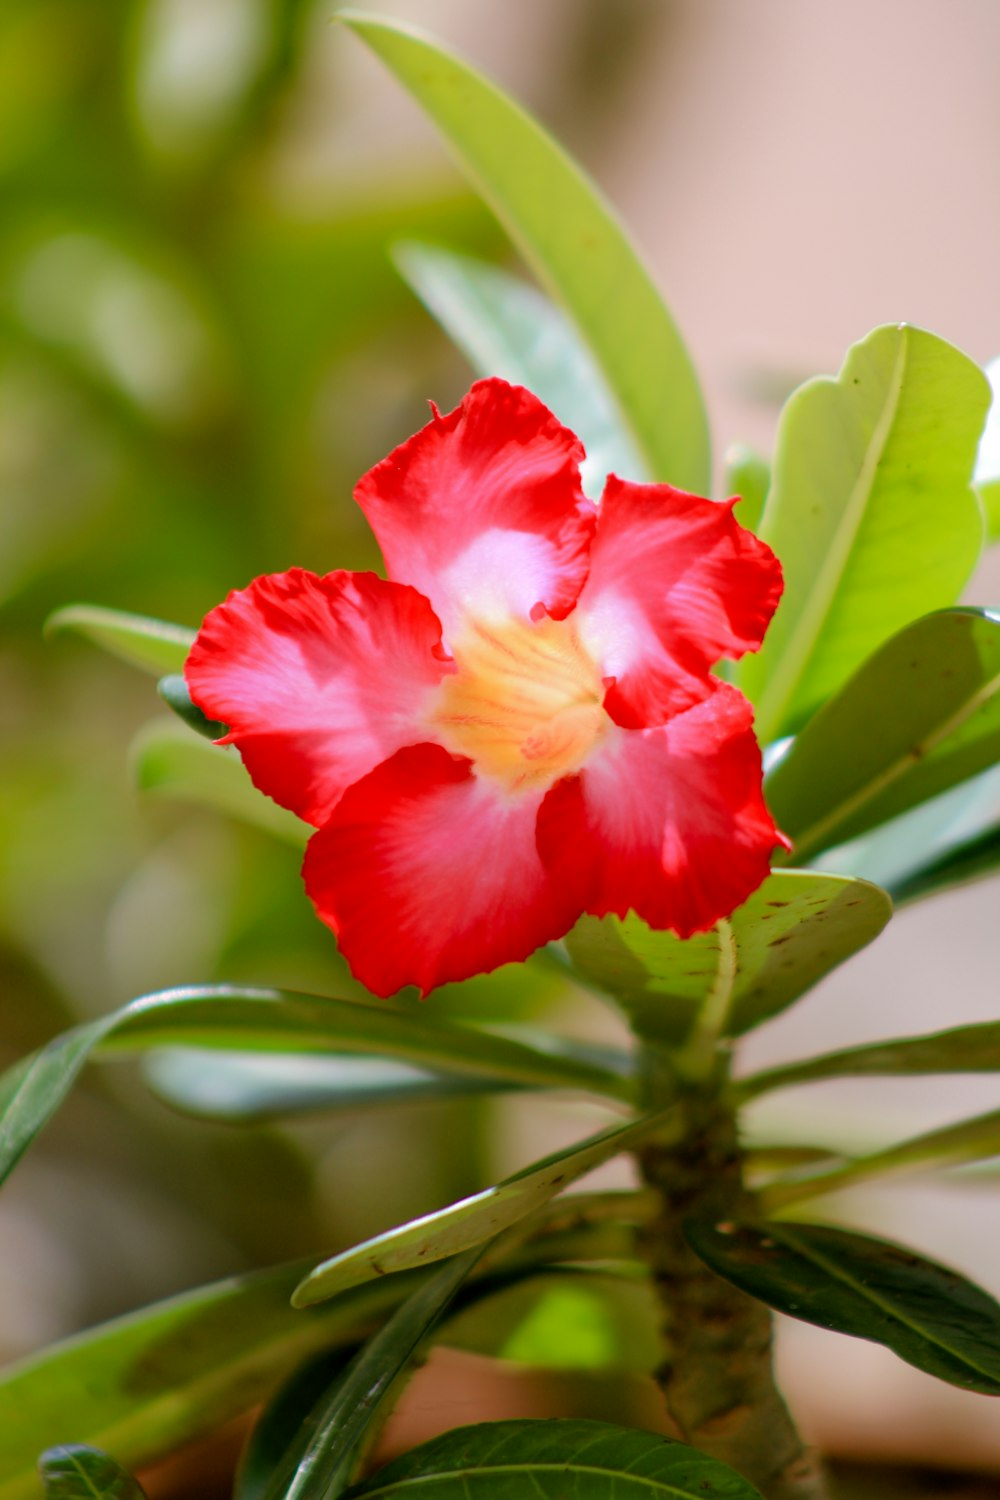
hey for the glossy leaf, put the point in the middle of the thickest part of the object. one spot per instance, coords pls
(337, 1429)
(237, 1018)
(147, 1383)
(920, 716)
(154, 645)
(570, 239)
(249, 1087)
(964, 1049)
(793, 930)
(973, 860)
(987, 473)
(927, 1314)
(75, 1472)
(748, 475)
(564, 1459)
(175, 694)
(972, 1140)
(505, 327)
(871, 511)
(168, 761)
(469, 1222)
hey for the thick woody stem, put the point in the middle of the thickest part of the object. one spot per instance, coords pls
(717, 1378)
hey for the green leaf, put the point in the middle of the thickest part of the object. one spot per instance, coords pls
(927, 1314)
(75, 1472)
(921, 715)
(971, 1140)
(964, 1049)
(150, 1382)
(472, 1220)
(176, 695)
(259, 1086)
(871, 512)
(167, 761)
(570, 239)
(564, 1459)
(155, 645)
(240, 1019)
(339, 1426)
(505, 327)
(973, 860)
(748, 475)
(793, 930)
(987, 473)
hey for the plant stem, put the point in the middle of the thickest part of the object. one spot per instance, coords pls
(717, 1378)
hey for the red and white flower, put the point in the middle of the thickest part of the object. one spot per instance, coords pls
(520, 724)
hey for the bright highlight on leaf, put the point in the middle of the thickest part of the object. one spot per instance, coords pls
(522, 723)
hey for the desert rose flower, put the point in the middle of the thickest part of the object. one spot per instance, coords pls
(518, 725)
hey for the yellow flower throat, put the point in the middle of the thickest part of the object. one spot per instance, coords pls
(524, 703)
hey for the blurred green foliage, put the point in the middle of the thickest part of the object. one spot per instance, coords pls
(198, 358)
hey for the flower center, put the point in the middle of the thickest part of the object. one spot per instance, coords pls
(524, 703)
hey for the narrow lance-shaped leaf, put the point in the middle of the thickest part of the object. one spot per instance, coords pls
(950, 1146)
(155, 645)
(229, 1016)
(255, 1086)
(797, 927)
(871, 511)
(963, 1049)
(472, 1220)
(505, 327)
(927, 1314)
(341, 1423)
(921, 715)
(75, 1472)
(570, 239)
(176, 695)
(146, 1384)
(565, 1459)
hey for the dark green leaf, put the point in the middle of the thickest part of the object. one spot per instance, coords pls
(871, 511)
(240, 1019)
(572, 242)
(338, 1428)
(174, 692)
(155, 645)
(75, 1472)
(927, 1314)
(469, 1222)
(505, 327)
(921, 715)
(564, 1459)
(147, 1383)
(793, 930)
(965, 1049)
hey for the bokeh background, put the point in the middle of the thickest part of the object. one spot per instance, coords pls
(203, 342)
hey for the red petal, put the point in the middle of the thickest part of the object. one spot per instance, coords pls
(482, 509)
(675, 583)
(318, 679)
(668, 821)
(427, 875)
